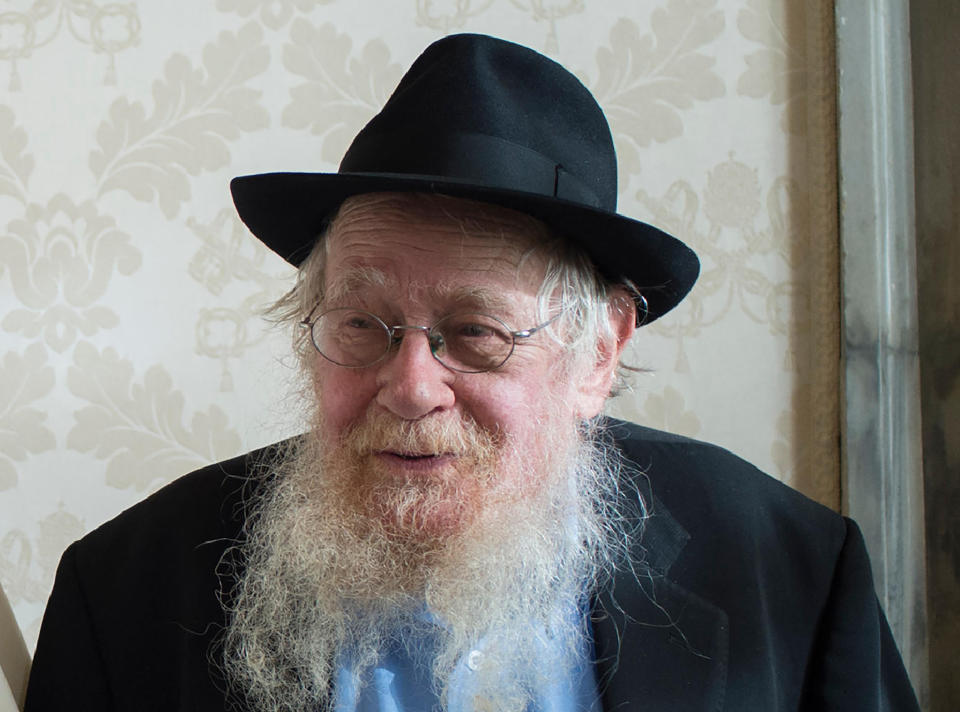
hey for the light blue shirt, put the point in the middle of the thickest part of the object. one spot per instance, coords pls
(398, 683)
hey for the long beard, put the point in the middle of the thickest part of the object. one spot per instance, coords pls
(340, 560)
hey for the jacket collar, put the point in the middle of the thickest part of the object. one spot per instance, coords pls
(659, 646)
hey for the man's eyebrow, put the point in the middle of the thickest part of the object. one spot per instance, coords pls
(356, 280)
(353, 280)
(473, 297)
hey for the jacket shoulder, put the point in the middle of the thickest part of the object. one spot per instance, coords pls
(203, 503)
(137, 604)
(707, 505)
(768, 593)
(709, 481)
(165, 553)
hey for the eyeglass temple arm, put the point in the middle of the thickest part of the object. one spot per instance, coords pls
(642, 308)
(639, 301)
(527, 333)
(309, 320)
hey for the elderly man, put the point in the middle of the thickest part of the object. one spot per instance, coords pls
(461, 529)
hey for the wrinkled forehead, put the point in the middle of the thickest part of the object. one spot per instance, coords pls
(439, 214)
(458, 243)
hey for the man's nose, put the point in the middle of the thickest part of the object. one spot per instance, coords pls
(412, 383)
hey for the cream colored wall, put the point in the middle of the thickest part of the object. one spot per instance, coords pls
(130, 346)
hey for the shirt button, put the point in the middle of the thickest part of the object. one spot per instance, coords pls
(474, 660)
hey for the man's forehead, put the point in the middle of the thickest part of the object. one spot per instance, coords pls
(448, 247)
(477, 225)
(366, 280)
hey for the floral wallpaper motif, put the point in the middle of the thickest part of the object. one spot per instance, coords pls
(735, 253)
(342, 88)
(551, 12)
(60, 259)
(776, 69)
(196, 112)
(229, 263)
(28, 562)
(108, 28)
(132, 347)
(15, 164)
(648, 79)
(138, 428)
(668, 411)
(24, 380)
(273, 13)
(448, 16)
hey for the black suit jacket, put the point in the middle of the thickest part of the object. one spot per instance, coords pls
(749, 597)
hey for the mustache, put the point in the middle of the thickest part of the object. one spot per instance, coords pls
(458, 435)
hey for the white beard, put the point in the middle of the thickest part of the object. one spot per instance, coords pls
(324, 571)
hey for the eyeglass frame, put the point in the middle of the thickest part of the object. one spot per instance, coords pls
(310, 321)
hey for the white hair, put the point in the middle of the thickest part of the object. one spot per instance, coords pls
(572, 285)
(311, 585)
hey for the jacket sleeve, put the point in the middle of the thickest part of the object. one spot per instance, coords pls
(68, 671)
(855, 665)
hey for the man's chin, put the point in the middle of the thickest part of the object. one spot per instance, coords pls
(420, 499)
(432, 519)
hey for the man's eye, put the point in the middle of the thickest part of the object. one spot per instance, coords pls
(359, 322)
(475, 330)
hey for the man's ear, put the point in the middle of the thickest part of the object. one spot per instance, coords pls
(595, 382)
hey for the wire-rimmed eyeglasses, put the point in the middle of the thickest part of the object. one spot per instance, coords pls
(468, 342)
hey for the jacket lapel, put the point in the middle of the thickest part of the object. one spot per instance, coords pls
(659, 646)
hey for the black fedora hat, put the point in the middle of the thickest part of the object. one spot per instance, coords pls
(481, 118)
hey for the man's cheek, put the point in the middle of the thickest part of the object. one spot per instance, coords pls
(338, 408)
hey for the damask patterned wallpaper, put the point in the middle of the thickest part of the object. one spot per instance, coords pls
(131, 349)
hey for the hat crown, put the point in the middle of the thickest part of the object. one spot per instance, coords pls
(488, 120)
(490, 112)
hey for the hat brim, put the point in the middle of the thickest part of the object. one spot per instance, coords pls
(288, 211)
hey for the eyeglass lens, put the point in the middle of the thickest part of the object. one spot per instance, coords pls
(463, 342)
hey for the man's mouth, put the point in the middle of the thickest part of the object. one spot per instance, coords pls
(414, 460)
(409, 455)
